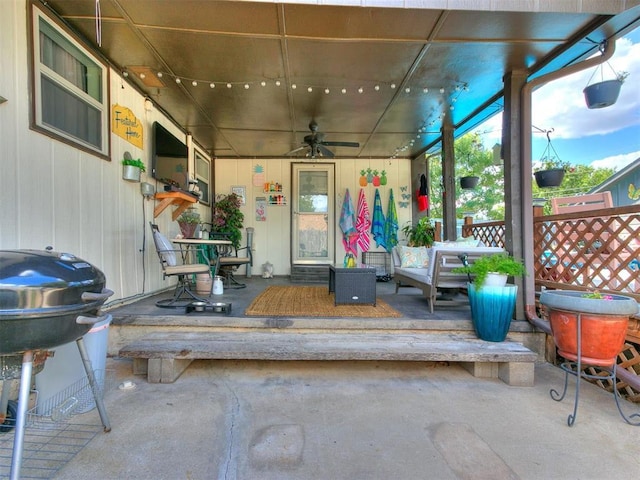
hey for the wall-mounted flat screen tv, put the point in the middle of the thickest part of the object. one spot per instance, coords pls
(170, 158)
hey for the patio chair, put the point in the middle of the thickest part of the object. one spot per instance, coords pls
(174, 264)
(228, 260)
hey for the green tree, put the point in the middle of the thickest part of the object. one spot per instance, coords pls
(486, 201)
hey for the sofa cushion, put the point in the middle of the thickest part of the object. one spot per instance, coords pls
(413, 257)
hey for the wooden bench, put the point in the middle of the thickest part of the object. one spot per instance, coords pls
(163, 357)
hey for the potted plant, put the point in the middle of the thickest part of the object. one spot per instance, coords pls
(469, 182)
(492, 305)
(605, 93)
(189, 222)
(551, 172)
(422, 234)
(603, 324)
(132, 168)
(227, 217)
(493, 270)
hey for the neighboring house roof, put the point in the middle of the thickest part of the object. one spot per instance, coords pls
(618, 184)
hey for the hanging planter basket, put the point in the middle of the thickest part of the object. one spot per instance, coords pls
(549, 178)
(605, 92)
(469, 182)
(553, 170)
(602, 94)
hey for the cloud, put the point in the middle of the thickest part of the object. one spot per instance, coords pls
(616, 161)
(560, 104)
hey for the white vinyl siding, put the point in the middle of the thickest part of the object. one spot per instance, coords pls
(70, 86)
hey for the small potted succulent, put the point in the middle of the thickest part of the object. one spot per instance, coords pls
(132, 168)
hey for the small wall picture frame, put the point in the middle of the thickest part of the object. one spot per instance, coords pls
(241, 191)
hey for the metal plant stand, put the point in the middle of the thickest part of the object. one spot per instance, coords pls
(575, 368)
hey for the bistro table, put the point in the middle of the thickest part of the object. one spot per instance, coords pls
(189, 248)
(352, 285)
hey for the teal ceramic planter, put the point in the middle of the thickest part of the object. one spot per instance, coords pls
(492, 310)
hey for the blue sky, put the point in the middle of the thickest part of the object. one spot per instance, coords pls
(601, 137)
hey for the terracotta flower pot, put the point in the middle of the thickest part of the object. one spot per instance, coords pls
(603, 325)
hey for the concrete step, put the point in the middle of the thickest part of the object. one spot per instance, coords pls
(163, 356)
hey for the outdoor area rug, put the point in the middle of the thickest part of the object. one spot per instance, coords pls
(302, 301)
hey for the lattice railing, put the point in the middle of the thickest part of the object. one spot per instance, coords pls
(598, 250)
(490, 233)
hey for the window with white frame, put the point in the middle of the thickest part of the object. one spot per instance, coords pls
(203, 173)
(71, 90)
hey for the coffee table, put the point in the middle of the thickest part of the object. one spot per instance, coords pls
(353, 285)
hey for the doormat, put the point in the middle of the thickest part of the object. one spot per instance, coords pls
(302, 301)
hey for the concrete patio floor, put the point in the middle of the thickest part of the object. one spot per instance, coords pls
(234, 420)
(265, 420)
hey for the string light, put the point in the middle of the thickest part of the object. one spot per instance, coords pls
(429, 123)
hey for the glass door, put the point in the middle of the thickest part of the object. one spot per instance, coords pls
(312, 211)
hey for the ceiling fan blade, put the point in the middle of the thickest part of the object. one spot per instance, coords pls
(325, 151)
(341, 144)
(296, 150)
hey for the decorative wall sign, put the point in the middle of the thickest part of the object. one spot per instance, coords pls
(125, 124)
(261, 209)
(258, 176)
(373, 177)
(240, 190)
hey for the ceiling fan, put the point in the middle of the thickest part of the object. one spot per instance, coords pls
(317, 145)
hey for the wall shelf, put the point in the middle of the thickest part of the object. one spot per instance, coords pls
(180, 199)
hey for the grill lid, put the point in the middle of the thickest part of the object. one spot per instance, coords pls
(34, 281)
